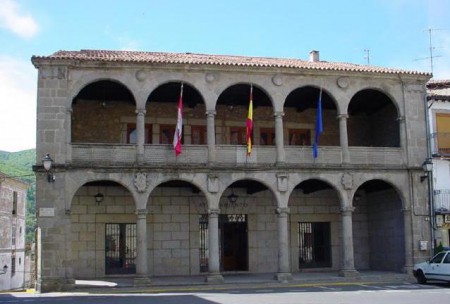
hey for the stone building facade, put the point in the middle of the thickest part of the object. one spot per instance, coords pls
(13, 197)
(122, 203)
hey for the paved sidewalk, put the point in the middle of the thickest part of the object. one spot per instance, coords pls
(190, 283)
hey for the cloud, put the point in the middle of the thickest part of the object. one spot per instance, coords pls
(17, 21)
(18, 82)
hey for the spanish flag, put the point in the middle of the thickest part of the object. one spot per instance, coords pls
(249, 128)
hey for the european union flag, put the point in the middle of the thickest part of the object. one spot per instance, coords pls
(319, 126)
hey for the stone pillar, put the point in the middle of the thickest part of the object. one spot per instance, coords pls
(343, 136)
(407, 222)
(140, 130)
(214, 275)
(402, 130)
(279, 137)
(284, 273)
(141, 278)
(69, 135)
(211, 136)
(348, 262)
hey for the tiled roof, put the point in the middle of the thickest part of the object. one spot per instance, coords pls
(225, 60)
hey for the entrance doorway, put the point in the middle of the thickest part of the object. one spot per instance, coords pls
(233, 242)
(120, 248)
(314, 245)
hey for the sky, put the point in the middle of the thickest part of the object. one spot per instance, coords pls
(386, 33)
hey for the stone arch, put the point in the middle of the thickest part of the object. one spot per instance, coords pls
(249, 227)
(300, 111)
(178, 207)
(315, 222)
(96, 205)
(161, 113)
(378, 225)
(232, 106)
(98, 111)
(368, 110)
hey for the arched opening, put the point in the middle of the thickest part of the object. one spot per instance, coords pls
(247, 228)
(373, 120)
(100, 112)
(161, 115)
(378, 227)
(300, 111)
(178, 209)
(103, 230)
(315, 226)
(232, 112)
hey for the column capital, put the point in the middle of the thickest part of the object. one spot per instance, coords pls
(213, 212)
(278, 114)
(282, 211)
(342, 116)
(347, 210)
(210, 113)
(141, 212)
(141, 111)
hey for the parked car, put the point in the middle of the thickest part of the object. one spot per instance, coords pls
(437, 268)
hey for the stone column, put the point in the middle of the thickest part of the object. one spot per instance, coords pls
(402, 130)
(214, 275)
(69, 135)
(343, 136)
(408, 241)
(348, 262)
(284, 273)
(211, 136)
(141, 278)
(279, 137)
(140, 130)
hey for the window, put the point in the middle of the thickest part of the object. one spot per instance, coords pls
(14, 207)
(13, 233)
(437, 258)
(166, 134)
(238, 136)
(266, 136)
(443, 132)
(13, 265)
(132, 134)
(299, 137)
(198, 135)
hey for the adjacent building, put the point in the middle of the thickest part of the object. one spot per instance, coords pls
(114, 199)
(13, 197)
(439, 126)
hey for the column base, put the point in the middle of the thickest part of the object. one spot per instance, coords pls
(349, 273)
(214, 278)
(283, 277)
(141, 281)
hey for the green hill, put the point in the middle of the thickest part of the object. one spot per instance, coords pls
(20, 166)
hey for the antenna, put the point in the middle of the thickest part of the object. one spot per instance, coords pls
(431, 48)
(367, 56)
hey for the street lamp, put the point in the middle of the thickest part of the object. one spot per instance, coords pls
(47, 162)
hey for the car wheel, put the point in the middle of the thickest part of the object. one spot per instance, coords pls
(421, 277)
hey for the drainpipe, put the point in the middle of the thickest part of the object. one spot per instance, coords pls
(430, 174)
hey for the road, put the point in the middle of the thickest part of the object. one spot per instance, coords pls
(339, 293)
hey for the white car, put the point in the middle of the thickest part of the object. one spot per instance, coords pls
(437, 268)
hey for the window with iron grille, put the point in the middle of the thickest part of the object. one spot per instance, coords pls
(203, 250)
(13, 265)
(314, 244)
(120, 248)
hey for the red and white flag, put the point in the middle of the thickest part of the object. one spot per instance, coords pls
(179, 128)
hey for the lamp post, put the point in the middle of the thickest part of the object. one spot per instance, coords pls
(47, 162)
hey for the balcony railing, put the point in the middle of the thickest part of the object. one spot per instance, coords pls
(440, 144)
(125, 154)
(442, 200)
